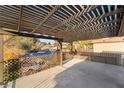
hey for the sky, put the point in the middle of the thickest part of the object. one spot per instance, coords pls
(47, 41)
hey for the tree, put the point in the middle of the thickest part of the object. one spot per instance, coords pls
(17, 46)
(49, 43)
(26, 43)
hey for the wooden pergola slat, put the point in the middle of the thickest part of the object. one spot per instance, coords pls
(20, 18)
(50, 13)
(69, 22)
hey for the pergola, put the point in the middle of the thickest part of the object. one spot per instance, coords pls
(65, 23)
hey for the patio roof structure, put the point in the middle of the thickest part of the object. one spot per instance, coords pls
(66, 22)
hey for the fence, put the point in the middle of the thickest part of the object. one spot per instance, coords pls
(15, 68)
(67, 55)
(23, 66)
(105, 57)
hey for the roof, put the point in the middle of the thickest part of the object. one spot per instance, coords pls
(66, 22)
(109, 40)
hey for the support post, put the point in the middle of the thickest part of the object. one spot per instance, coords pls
(1, 58)
(121, 30)
(61, 57)
(71, 47)
(122, 60)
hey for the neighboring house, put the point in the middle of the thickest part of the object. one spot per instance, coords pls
(113, 44)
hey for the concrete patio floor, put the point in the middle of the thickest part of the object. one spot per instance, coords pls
(77, 73)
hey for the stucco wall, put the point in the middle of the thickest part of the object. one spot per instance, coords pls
(116, 46)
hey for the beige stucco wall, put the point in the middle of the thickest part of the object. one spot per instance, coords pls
(115, 46)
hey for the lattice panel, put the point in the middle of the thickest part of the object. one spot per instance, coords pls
(11, 70)
(23, 66)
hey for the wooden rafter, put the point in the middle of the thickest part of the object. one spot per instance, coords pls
(46, 18)
(20, 18)
(121, 30)
(69, 22)
(32, 35)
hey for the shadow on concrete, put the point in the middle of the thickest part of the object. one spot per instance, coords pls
(13, 84)
(87, 74)
(5, 85)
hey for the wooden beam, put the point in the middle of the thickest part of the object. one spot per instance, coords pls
(4, 32)
(20, 18)
(71, 19)
(96, 27)
(95, 19)
(84, 34)
(67, 22)
(121, 30)
(99, 17)
(108, 14)
(5, 42)
(46, 18)
(71, 47)
(33, 35)
(1, 58)
(61, 55)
